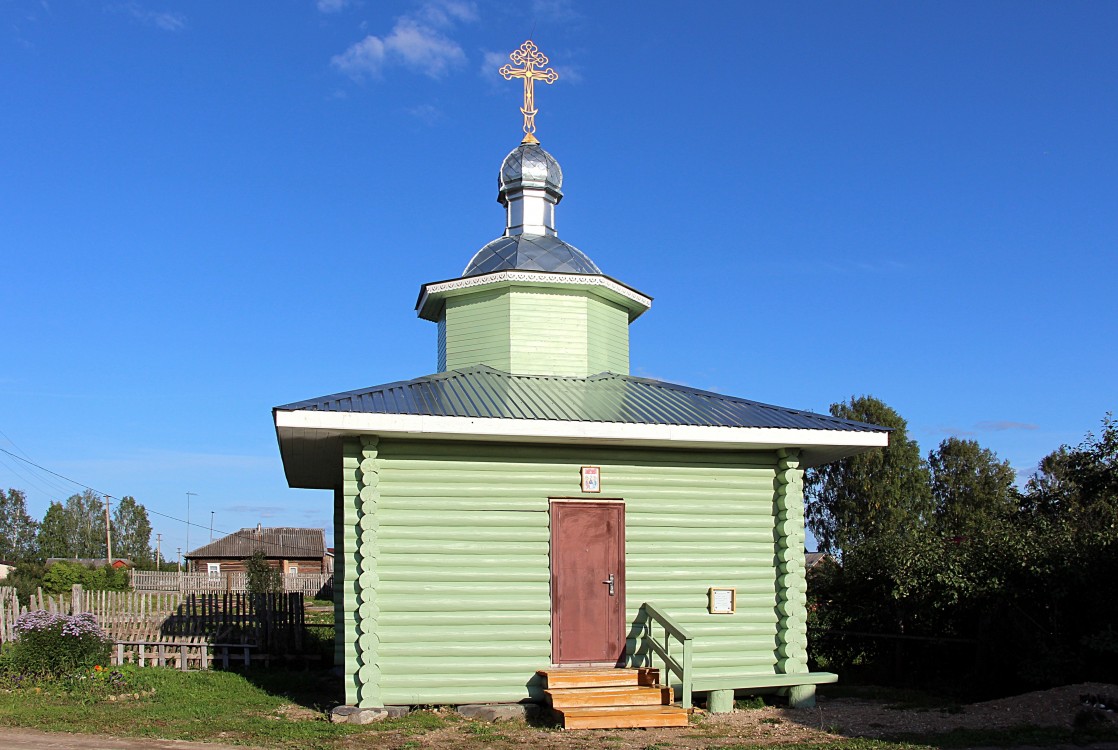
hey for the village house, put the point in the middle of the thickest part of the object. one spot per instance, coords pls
(291, 551)
(533, 520)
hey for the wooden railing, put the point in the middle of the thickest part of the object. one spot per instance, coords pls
(307, 584)
(678, 663)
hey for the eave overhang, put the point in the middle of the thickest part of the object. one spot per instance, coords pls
(311, 440)
(433, 296)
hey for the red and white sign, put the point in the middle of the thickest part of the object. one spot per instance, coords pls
(591, 479)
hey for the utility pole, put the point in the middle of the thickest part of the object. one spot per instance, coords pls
(180, 559)
(195, 494)
(158, 544)
(108, 535)
(211, 525)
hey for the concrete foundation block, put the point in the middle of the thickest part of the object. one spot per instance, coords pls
(395, 712)
(720, 701)
(801, 696)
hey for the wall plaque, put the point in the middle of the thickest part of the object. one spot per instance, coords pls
(723, 600)
(591, 479)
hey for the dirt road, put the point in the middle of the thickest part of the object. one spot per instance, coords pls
(28, 739)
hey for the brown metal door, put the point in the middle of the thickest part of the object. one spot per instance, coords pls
(587, 582)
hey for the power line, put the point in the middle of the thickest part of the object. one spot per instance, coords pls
(54, 487)
(152, 512)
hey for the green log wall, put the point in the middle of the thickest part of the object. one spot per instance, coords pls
(453, 601)
(535, 331)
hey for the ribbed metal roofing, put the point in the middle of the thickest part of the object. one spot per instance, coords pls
(483, 392)
(275, 541)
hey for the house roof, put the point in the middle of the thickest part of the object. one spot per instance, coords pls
(482, 403)
(95, 562)
(812, 559)
(484, 392)
(282, 542)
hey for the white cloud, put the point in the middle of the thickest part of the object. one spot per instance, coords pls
(554, 10)
(166, 20)
(260, 511)
(424, 49)
(429, 114)
(491, 62)
(364, 58)
(1005, 424)
(416, 42)
(445, 13)
(332, 6)
(568, 73)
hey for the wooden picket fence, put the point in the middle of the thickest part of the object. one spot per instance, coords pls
(314, 585)
(192, 631)
(9, 611)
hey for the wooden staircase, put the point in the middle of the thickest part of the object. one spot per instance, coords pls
(610, 698)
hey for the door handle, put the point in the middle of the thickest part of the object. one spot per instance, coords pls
(610, 582)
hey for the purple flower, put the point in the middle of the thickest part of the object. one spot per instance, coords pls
(75, 626)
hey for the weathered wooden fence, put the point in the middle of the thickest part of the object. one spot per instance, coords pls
(185, 631)
(314, 585)
(9, 611)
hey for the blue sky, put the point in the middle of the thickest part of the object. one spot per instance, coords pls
(208, 209)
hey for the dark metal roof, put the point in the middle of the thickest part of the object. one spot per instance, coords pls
(483, 392)
(274, 541)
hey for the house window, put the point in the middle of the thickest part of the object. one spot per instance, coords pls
(293, 570)
(213, 571)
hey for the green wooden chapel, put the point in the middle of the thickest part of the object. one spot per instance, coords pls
(531, 507)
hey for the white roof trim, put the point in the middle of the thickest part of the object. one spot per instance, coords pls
(436, 290)
(432, 427)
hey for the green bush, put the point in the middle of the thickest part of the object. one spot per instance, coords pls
(51, 645)
(62, 576)
(26, 579)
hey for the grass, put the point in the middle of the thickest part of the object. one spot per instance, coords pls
(289, 710)
(750, 703)
(213, 706)
(273, 708)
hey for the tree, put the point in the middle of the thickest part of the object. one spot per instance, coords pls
(1080, 484)
(132, 531)
(970, 486)
(261, 578)
(74, 529)
(880, 494)
(17, 529)
(55, 535)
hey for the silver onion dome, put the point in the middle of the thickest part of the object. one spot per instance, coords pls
(529, 166)
(530, 252)
(529, 187)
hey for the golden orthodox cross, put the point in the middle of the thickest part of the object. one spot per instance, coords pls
(530, 57)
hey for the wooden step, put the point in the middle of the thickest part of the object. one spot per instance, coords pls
(609, 696)
(605, 677)
(618, 717)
